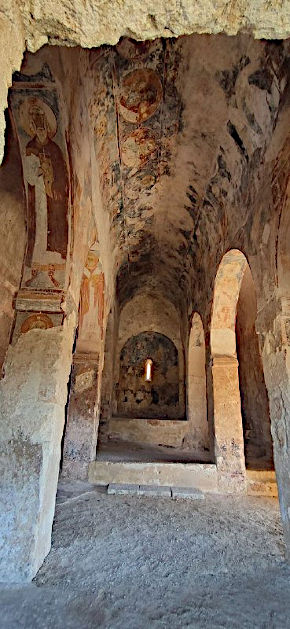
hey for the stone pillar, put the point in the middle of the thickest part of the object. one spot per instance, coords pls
(33, 395)
(276, 363)
(196, 396)
(228, 426)
(82, 418)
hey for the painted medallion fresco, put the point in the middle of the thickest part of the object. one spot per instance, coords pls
(135, 111)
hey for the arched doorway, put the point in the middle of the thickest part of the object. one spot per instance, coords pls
(241, 411)
(197, 436)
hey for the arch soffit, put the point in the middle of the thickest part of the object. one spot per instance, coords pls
(225, 298)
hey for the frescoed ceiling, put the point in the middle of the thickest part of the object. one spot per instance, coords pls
(178, 129)
(179, 126)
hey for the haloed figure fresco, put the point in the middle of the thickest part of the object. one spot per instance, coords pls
(47, 190)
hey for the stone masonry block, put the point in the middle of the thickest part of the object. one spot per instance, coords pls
(154, 490)
(122, 489)
(189, 493)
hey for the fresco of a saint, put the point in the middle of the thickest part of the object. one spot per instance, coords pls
(92, 300)
(46, 176)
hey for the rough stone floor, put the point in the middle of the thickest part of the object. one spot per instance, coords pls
(130, 562)
(125, 451)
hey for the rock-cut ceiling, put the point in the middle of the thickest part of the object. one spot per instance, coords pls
(179, 125)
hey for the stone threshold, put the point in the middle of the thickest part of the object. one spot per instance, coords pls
(202, 477)
(149, 419)
(155, 491)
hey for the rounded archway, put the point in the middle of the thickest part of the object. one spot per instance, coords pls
(241, 410)
(258, 446)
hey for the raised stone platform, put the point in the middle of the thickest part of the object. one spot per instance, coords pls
(177, 476)
(195, 475)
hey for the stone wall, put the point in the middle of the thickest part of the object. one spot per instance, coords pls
(254, 398)
(12, 236)
(33, 396)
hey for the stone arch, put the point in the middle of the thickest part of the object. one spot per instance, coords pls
(196, 386)
(258, 445)
(234, 293)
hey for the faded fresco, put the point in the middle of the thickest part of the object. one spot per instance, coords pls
(45, 173)
(135, 112)
(91, 312)
(158, 398)
(26, 321)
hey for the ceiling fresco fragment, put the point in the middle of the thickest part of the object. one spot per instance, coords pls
(177, 128)
(180, 125)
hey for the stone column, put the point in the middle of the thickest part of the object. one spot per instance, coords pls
(33, 395)
(228, 426)
(196, 396)
(82, 418)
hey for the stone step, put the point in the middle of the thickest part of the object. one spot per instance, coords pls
(188, 493)
(122, 489)
(154, 490)
(157, 491)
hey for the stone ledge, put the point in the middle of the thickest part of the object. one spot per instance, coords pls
(154, 490)
(200, 476)
(188, 493)
(120, 489)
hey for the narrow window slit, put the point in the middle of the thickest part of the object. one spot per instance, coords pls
(148, 370)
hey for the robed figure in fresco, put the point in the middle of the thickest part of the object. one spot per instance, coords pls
(47, 181)
(92, 298)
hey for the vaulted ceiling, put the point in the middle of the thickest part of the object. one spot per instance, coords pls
(179, 126)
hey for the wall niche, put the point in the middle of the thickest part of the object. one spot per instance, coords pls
(142, 398)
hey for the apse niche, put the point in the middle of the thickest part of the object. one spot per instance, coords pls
(148, 385)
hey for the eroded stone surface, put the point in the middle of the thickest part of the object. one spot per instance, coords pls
(215, 562)
(25, 26)
(33, 395)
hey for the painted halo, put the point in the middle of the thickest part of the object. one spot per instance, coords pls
(137, 148)
(39, 321)
(25, 112)
(140, 95)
